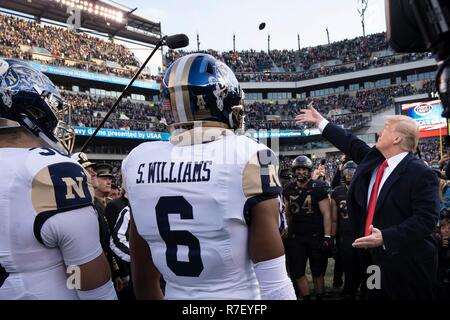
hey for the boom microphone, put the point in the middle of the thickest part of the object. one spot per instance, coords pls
(173, 42)
(177, 41)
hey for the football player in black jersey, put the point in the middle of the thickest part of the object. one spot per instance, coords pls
(345, 256)
(308, 213)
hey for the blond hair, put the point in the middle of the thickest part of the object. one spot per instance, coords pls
(409, 130)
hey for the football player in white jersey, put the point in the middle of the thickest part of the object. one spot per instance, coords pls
(204, 204)
(49, 244)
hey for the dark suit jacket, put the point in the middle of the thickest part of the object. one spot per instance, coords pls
(407, 212)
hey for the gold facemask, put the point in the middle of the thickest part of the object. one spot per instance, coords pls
(63, 132)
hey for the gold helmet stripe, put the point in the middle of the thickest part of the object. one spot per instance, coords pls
(173, 103)
(185, 88)
(178, 89)
(180, 76)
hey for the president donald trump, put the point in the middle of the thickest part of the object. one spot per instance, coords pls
(393, 205)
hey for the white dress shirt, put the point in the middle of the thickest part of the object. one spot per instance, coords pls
(392, 164)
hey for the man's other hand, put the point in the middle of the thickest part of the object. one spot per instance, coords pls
(375, 239)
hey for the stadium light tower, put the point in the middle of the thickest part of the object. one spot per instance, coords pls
(362, 11)
(328, 35)
(98, 8)
(198, 42)
(234, 42)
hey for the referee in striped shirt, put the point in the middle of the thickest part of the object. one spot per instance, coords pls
(117, 212)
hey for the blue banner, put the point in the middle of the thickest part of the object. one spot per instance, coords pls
(67, 72)
(273, 134)
(122, 134)
(144, 135)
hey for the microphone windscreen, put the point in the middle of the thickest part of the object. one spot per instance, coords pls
(177, 41)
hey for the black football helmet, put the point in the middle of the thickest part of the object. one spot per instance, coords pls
(198, 87)
(302, 162)
(348, 170)
(29, 99)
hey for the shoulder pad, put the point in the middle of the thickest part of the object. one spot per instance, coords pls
(260, 174)
(60, 187)
(260, 179)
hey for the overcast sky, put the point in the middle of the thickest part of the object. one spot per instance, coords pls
(216, 21)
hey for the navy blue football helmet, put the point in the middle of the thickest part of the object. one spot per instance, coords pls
(198, 87)
(30, 100)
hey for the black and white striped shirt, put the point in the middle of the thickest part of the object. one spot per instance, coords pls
(119, 242)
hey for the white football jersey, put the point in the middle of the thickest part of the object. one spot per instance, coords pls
(190, 199)
(37, 184)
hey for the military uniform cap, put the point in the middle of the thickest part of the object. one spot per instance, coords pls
(103, 170)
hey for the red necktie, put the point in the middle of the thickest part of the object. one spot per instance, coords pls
(373, 197)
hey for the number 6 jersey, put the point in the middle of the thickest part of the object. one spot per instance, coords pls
(190, 199)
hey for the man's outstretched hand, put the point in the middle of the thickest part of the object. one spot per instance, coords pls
(309, 115)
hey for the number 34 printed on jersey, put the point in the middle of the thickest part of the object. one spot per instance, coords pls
(173, 238)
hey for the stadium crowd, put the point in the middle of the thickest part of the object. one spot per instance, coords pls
(28, 40)
(308, 63)
(61, 42)
(323, 71)
(88, 111)
(347, 109)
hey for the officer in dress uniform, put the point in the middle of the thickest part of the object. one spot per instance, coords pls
(101, 174)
